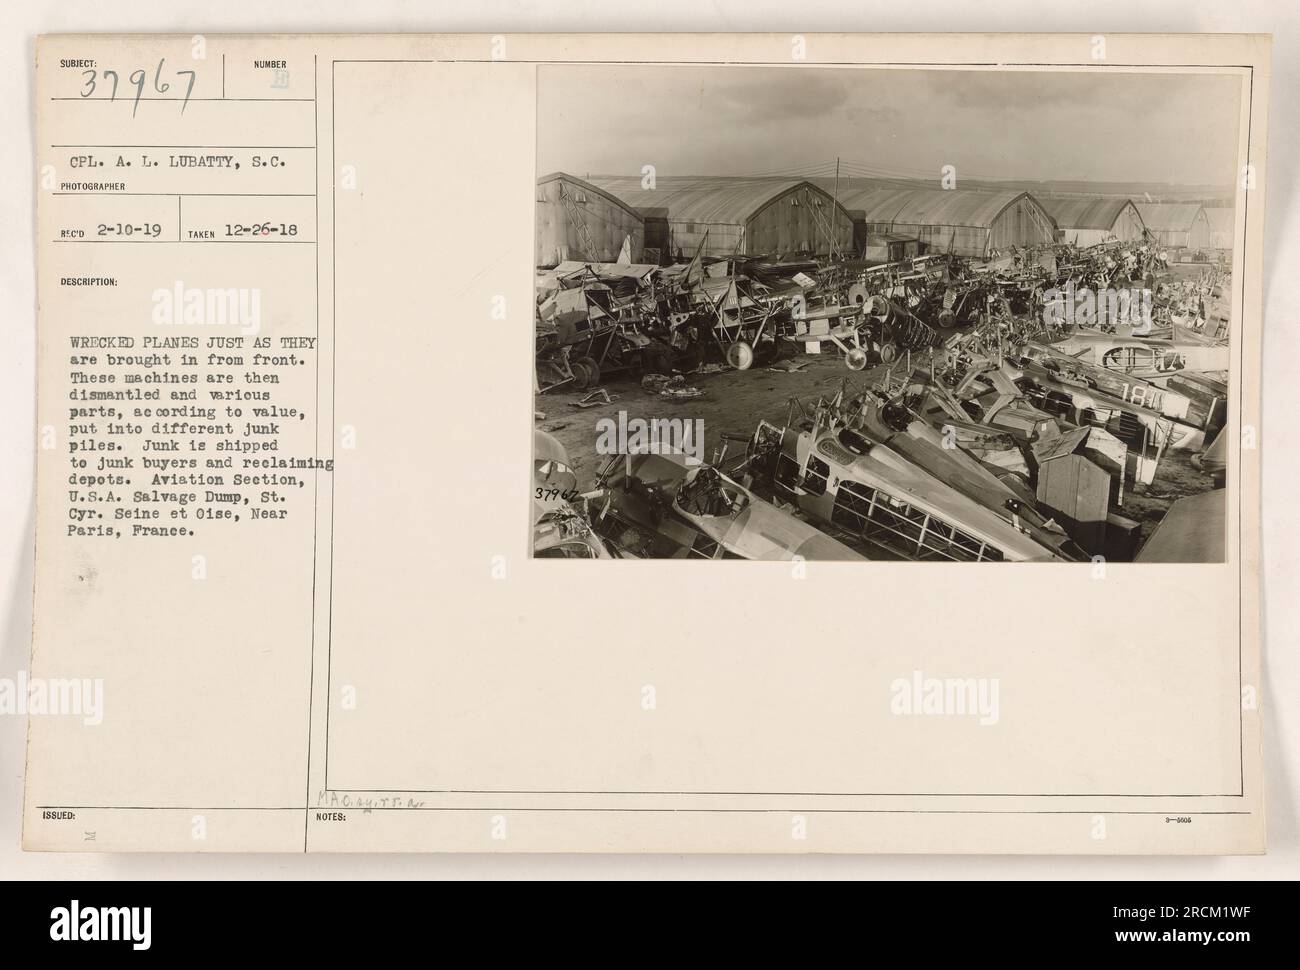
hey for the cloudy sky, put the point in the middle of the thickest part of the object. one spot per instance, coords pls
(1165, 128)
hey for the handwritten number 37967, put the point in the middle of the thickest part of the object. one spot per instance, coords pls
(137, 79)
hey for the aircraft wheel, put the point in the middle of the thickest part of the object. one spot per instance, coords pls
(888, 353)
(856, 359)
(947, 319)
(876, 306)
(740, 355)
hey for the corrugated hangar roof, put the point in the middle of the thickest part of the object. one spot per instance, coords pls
(708, 199)
(596, 189)
(1222, 219)
(1164, 216)
(931, 207)
(1084, 213)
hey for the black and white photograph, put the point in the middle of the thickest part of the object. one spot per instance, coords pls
(820, 313)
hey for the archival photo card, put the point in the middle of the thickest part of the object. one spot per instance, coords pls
(343, 340)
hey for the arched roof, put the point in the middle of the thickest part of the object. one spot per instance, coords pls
(1085, 213)
(1222, 219)
(589, 187)
(1164, 216)
(725, 200)
(932, 207)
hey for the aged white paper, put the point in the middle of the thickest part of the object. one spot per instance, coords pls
(287, 594)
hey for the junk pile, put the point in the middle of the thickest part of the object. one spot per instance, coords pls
(591, 322)
(1022, 452)
(597, 320)
(1008, 420)
(1015, 435)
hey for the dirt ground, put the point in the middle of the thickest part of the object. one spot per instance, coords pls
(1176, 477)
(733, 402)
